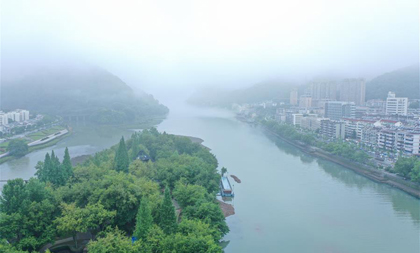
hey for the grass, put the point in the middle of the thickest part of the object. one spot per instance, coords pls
(44, 133)
(34, 148)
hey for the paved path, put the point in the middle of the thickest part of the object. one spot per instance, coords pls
(48, 138)
(43, 140)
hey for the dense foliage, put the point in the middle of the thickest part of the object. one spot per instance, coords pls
(51, 170)
(409, 168)
(18, 147)
(338, 148)
(115, 204)
(290, 132)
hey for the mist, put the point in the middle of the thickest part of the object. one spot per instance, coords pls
(169, 48)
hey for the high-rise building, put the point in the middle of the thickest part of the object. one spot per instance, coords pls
(294, 97)
(336, 110)
(4, 119)
(305, 101)
(353, 90)
(323, 90)
(395, 105)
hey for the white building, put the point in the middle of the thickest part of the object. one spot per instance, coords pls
(4, 120)
(296, 119)
(312, 123)
(396, 105)
(412, 143)
(15, 116)
(18, 115)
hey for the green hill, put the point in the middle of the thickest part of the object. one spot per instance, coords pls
(404, 82)
(105, 98)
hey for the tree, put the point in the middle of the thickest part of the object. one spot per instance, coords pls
(189, 194)
(224, 170)
(405, 165)
(415, 173)
(181, 243)
(135, 148)
(66, 166)
(144, 220)
(114, 241)
(27, 211)
(44, 169)
(13, 195)
(75, 219)
(18, 147)
(167, 214)
(121, 160)
(208, 212)
(51, 170)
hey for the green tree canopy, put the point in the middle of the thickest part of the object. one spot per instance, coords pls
(167, 214)
(144, 220)
(18, 147)
(121, 161)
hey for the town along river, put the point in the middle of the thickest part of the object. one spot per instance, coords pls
(289, 201)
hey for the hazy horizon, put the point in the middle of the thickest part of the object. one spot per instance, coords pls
(165, 46)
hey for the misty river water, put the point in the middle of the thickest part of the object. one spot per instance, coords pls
(288, 201)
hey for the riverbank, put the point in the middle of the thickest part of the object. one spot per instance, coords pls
(39, 144)
(373, 174)
(195, 140)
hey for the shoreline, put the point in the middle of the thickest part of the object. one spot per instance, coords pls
(373, 174)
(47, 144)
(370, 173)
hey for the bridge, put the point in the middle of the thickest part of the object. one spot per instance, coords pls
(75, 117)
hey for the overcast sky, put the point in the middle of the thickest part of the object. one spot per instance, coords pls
(178, 43)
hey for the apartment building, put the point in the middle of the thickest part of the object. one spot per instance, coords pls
(333, 128)
(355, 127)
(336, 110)
(396, 105)
(312, 123)
(353, 90)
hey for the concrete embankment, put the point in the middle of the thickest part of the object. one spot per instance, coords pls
(364, 170)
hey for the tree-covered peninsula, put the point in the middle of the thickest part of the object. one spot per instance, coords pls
(165, 203)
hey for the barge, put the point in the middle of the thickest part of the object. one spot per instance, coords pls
(225, 188)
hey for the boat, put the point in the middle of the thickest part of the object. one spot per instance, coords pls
(225, 188)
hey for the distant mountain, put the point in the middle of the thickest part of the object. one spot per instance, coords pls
(278, 91)
(90, 91)
(404, 82)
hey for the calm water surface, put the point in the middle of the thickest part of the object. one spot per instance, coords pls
(288, 201)
(291, 202)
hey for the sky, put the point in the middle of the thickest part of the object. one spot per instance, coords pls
(167, 45)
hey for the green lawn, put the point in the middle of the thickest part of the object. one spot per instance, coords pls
(41, 134)
(33, 137)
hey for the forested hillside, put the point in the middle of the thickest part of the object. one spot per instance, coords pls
(88, 91)
(114, 196)
(404, 82)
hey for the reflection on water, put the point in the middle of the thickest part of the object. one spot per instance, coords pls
(290, 201)
(402, 203)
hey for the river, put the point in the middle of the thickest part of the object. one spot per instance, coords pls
(288, 201)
